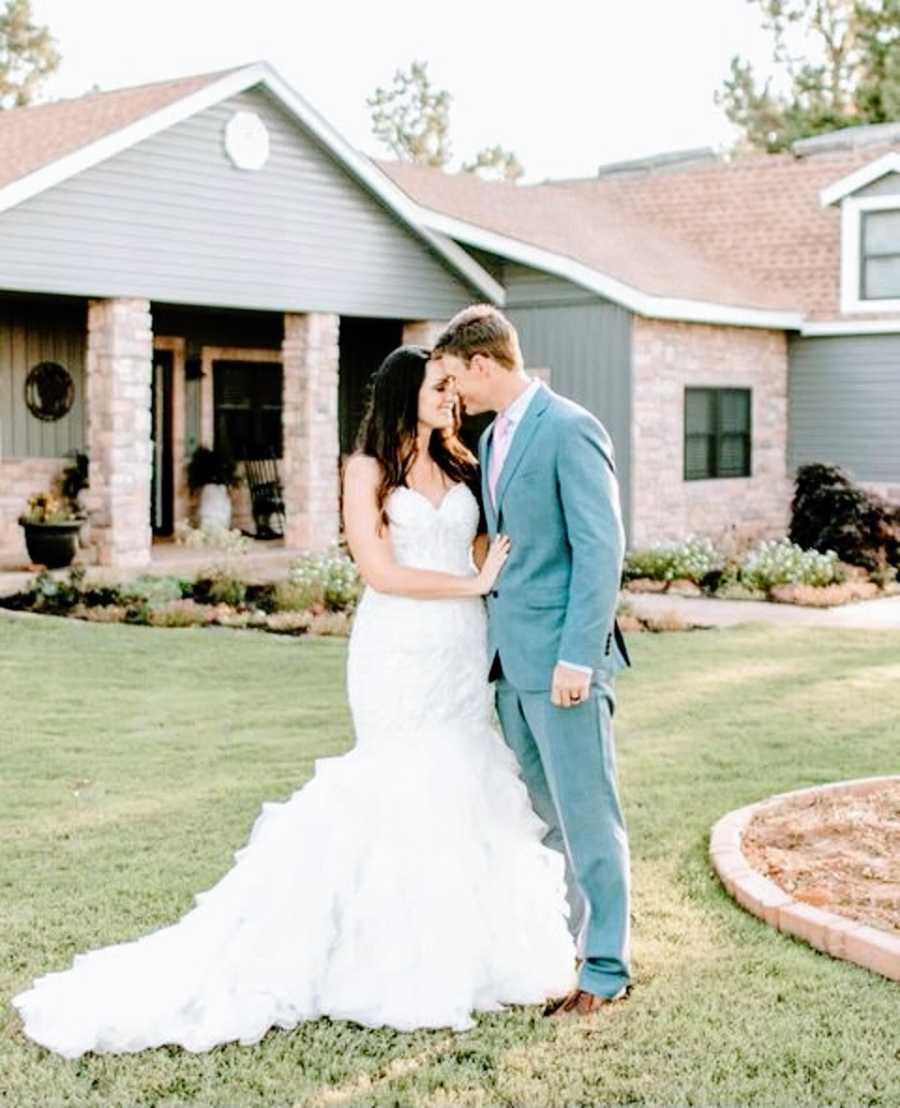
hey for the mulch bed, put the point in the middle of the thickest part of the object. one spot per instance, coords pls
(836, 850)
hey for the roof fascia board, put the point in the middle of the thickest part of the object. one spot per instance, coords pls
(850, 327)
(658, 307)
(259, 73)
(865, 175)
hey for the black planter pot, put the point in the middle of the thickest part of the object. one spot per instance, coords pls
(53, 545)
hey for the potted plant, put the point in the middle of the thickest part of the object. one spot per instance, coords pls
(51, 524)
(213, 472)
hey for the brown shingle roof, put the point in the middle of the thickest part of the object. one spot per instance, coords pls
(760, 216)
(750, 231)
(590, 229)
(34, 137)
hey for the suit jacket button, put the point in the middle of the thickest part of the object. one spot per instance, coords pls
(494, 593)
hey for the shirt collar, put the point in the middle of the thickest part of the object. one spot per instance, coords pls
(515, 411)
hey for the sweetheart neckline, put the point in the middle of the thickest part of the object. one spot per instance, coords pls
(434, 507)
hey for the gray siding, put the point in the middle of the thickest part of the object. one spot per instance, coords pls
(888, 185)
(586, 343)
(173, 220)
(31, 332)
(527, 288)
(844, 404)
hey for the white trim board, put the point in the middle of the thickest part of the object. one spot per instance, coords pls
(852, 210)
(865, 175)
(259, 73)
(656, 307)
(851, 327)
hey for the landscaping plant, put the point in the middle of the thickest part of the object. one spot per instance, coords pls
(829, 512)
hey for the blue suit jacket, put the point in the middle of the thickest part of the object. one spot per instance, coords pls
(558, 501)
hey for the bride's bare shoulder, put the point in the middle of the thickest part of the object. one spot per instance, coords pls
(362, 471)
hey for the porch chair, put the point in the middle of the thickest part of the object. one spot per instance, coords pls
(266, 495)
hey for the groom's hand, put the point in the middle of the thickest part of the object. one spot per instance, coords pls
(570, 686)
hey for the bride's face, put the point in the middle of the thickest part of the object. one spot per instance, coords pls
(437, 399)
(471, 379)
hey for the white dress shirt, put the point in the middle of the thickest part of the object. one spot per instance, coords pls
(515, 413)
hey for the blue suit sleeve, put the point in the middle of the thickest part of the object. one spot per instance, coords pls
(589, 493)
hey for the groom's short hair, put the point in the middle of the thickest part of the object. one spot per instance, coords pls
(481, 329)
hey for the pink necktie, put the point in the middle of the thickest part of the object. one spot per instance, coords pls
(499, 447)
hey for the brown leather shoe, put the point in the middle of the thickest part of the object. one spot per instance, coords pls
(580, 1003)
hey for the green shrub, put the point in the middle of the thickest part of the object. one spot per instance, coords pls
(214, 466)
(781, 562)
(692, 560)
(331, 572)
(56, 596)
(829, 512)
(150, 590)
(298, 596)
(263, 596)
(225, 588)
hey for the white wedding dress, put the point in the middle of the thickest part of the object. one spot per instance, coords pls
(405, 885)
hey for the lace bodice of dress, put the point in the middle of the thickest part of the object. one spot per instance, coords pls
(430, 537)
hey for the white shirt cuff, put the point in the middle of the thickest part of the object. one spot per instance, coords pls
(571, 665)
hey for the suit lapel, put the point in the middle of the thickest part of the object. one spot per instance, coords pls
(521, 439)
(484, 447)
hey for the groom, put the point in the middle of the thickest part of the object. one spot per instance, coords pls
(548, 483)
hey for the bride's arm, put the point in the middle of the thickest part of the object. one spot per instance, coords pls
(480, 548)
(374, 556)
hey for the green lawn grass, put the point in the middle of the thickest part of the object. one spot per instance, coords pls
(132, 764)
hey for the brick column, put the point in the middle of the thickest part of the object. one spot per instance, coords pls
(422, 332)
(119, 374)
(311, 447)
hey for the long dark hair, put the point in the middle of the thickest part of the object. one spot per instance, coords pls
(390, 426)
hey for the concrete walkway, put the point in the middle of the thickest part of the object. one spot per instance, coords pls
(883, 614)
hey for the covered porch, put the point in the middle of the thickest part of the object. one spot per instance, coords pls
(150, 382)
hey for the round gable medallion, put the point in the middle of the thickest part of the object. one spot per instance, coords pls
(247, 140)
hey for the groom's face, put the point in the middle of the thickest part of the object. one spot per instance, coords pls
(472, 379)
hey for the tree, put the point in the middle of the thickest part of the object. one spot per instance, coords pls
(28, 55)
(494, 161)
(413, 121)
(839, 61)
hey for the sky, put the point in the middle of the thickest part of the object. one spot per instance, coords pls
(566, 85)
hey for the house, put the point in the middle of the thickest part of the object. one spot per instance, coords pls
(195, 260)
(206, 259)
(728, 320)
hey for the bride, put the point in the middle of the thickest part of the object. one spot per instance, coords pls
(406, 884)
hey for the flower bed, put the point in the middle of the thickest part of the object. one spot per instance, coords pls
(318, 597)
(776, 570)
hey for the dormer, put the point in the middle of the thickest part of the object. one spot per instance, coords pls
(870, 235)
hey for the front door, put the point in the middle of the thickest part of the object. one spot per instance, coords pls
(162, 483)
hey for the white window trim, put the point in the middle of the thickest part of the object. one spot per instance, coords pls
(852, 211)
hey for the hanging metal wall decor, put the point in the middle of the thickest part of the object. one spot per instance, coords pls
(49, 391)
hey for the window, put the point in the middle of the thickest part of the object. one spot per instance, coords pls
(716, 433)
(879, 271)
(247, 397)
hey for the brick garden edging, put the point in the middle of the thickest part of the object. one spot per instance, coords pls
(833, 934)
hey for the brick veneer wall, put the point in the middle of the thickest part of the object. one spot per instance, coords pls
(311, 445)
(667, 357)
(422, 332)
(119, 373)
